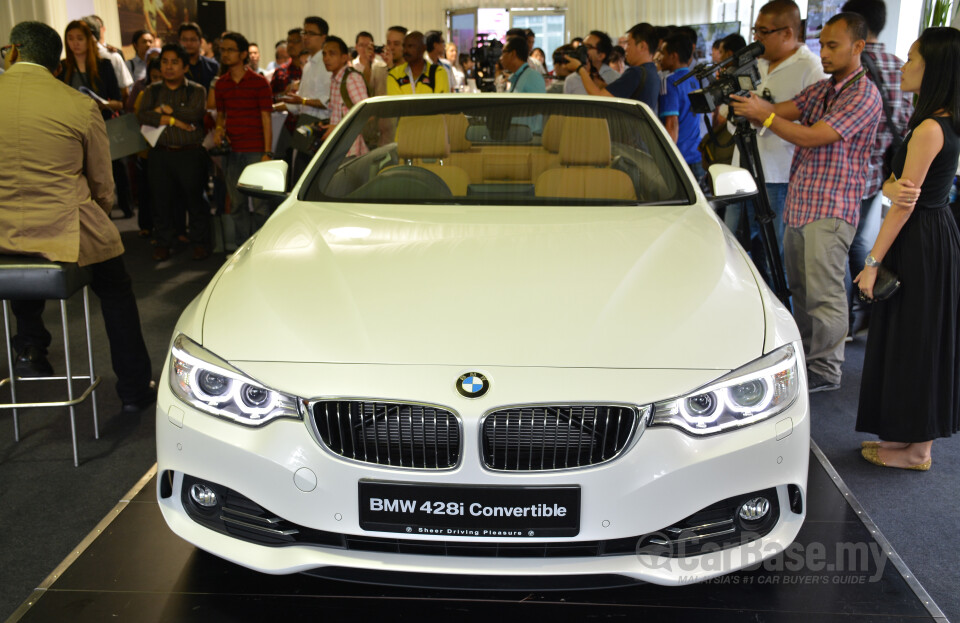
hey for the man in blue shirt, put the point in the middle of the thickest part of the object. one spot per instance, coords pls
(681, 123)
(523, 79)
(640, 81)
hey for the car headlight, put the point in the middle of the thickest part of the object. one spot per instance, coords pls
(203, 380)
(755, 392)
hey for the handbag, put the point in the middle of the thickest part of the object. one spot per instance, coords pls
(884, 287)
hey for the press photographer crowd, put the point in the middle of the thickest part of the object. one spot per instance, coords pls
(827, 137)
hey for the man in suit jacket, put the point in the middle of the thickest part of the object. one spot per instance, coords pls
(56, 191)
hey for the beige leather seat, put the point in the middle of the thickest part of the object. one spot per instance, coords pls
(462, 152)
(425, 138)
(549, 156)
(585, 162)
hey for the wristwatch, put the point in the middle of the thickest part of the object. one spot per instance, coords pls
(871, 262)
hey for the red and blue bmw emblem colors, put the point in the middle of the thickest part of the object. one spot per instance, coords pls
(472, 385)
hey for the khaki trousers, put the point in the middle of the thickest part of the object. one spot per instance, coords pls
(815, 258)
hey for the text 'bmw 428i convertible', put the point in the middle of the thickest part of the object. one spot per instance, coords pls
(503, 337)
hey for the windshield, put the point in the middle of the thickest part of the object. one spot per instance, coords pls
(504, 150)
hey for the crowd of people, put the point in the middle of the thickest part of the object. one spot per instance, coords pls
(836, 133)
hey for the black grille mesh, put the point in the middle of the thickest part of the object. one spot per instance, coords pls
(555, 437)
(395, 434)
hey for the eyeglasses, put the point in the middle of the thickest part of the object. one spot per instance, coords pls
(763, 32)
(6, 49)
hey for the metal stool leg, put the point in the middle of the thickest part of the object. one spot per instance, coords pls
(93, 394)
(13, 383)
(66, 354)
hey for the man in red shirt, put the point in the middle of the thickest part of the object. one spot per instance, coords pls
(244, 103)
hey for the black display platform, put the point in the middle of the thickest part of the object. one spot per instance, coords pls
(132, 568)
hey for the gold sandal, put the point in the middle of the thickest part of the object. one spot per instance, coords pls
(872, 455)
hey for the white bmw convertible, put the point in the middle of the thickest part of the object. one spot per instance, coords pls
(503, 337)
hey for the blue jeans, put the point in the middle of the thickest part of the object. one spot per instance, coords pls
(248, 216)
(871, 218)
(777, 193)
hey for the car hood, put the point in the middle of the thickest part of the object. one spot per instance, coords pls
(624, 287)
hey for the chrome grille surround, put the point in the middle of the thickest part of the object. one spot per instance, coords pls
(551, 437)
(391, 433)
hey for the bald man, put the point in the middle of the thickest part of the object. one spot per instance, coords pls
(786, 68)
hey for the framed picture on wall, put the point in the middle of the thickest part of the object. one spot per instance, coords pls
(160, 17)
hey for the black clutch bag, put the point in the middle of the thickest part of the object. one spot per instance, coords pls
(884, 287)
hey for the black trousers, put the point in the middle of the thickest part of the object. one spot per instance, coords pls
(177, 179)
(128, 353)
(122, 185)
(145, 213)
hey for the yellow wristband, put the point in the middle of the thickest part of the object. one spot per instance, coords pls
(769, 120)
(172, 121)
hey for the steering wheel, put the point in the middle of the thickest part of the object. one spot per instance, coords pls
(404, 182)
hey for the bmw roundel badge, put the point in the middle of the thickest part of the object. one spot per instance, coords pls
(472, 385)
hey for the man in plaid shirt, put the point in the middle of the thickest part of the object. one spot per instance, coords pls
(336, 58)
(838, 124)
(888, 66)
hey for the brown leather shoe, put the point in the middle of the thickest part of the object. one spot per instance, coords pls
(161, 254)
(200, 252)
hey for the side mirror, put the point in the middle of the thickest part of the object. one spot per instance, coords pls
(265, 180)
(731, 184)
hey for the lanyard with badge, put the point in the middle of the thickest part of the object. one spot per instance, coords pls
(827, 105)
(517, 81)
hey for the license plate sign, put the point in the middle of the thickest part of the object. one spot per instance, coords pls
(473, 511)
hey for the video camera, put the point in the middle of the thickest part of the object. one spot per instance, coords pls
(737, 75)
(485, 54)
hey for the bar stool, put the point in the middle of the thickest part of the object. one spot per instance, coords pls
(23, 278)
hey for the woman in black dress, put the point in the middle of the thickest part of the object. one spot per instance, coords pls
(910, 393)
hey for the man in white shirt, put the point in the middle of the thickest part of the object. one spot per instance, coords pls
(786, 68)
(314, 91)
(372, 67)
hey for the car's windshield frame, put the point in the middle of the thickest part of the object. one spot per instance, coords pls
(660, 151)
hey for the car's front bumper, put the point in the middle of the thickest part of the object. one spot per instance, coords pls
(661, 479)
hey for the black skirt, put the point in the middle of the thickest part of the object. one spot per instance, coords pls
(910, 391)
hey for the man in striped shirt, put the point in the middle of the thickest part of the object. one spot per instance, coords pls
(887, 79)
(344, 80)
(177, 166)
(244, 104)
(838, 124)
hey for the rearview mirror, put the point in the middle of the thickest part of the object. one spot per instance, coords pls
(265, 180)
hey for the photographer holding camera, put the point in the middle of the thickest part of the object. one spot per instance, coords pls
(838, 122)
(640, 81)
(594, 52)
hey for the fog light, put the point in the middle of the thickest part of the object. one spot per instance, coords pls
(755, 509)
(205, 496)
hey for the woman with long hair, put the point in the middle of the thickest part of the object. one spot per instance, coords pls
(84, 68)
(910, 392)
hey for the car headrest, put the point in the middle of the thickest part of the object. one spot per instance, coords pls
(422, 137)
(552, 131)
(585, 142)
(457, 132)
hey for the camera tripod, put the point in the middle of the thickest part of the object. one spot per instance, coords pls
(746, 139)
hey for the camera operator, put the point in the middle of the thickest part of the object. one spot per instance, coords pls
(786, 68)
(560, 69)
(838, 122)
(640, 81)
(599, 46)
